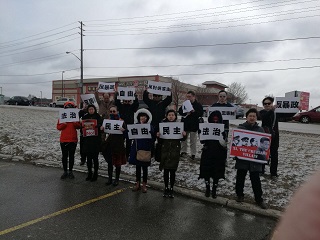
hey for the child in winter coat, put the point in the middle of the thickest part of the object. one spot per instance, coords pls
(169, 155)
(142, 116)
(91, 140)
(68, 143)
(115, 150)
(213, 158)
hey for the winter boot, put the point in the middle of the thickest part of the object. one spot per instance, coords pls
(171, 193)
(89, 176)
(109, 182)
(166, 192)
(144, 187)
(94, 176)
(136, 187)
(207, 194)
(214, 190)
(64, 175)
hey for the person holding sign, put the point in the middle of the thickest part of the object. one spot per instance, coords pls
(127, 109)
(191, 124)
(104, 105)
(68, 142)
(115, 154)
(140, 154)
(254, 168)
(91, 131)
(213, 158)
(222, 102)
(82, 112)
(169, 156)
(270, 125)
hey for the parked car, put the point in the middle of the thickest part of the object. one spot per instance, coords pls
(61, 101)
(18, 100)
(312, 115)
(239, 110)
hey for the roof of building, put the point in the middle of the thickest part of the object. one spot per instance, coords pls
(214, 82)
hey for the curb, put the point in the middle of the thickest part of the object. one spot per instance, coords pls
(225, 202)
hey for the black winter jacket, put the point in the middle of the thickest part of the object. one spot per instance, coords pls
(191, 122)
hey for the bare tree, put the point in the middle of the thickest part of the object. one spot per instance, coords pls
(177, 92)
(238, 93)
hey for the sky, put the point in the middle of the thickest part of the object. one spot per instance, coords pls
(270, 47)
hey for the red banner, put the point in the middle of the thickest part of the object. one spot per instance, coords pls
(89, 127)
(304, 101)
(251, 146)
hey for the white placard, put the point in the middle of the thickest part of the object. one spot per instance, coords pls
(89, 99)
(187, 106)
(171, 130)
(287, 105)
(160, 88)
(69, 115)
(106, 87)
(211, 131)
(126, 93)
(139, 131)
(112, 126)
(228, 113)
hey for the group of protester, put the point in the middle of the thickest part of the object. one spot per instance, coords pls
(118, 149)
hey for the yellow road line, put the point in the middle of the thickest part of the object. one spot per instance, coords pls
(26, 224)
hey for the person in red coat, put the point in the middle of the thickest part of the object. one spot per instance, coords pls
(68, 142)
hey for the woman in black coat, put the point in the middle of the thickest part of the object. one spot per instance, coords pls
(92, 141)
(213, 158)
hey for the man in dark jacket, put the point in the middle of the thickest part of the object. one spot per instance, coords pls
(254, 168)
(191, 124)
(126, 110)
(271, 125)
(157, 107)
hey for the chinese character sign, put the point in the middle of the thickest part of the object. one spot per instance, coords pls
(171, 130)
(106, 87)
(211, 131)
(112, 126)
(126, 93)
(187, 106)
(89, 99)
(139, 131)
(89, 127)
(251, 146)
(287, 105)
(69, 115)
(228, 113)
(160, 88)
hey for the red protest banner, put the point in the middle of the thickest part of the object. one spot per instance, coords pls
(89, 127)
(251, 146)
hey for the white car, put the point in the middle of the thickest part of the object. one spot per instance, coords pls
(61, 101)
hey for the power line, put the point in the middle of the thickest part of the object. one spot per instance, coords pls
(37, 74)
(202, 45)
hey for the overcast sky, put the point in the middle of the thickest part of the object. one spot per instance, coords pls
(270, 47)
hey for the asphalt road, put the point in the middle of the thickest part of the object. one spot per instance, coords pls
(36, 204)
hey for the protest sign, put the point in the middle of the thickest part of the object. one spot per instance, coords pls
(211, 131)
(228, 113)
(69, 115)
(139, 131)
(160, 88)
(126, 93)
(171, 130)
(106, 87)
(187, 106)
(89, 127)
(112, 126)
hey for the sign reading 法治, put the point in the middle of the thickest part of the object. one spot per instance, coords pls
(69, 115)
(211, 131)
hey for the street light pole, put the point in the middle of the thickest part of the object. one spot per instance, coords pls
(40, 98)
(81, 70)
(62, 84)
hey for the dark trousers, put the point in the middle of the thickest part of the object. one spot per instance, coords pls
(110, 171)
(166, 174)
(93, 158)
(128, 147)
(68, 149)
(83, 155)
(138, 173)
(274, 159)
(255, 182)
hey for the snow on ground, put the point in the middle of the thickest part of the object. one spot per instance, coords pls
(30, 133)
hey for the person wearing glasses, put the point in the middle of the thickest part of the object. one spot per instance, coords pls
(270, 125)
(68, 142)
(222, 102)
(127, 108)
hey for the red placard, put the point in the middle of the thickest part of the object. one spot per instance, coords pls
(304, 100)
(251, 146)
(89, 128)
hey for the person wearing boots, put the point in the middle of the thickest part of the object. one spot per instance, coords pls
(142, 116)
(91, 140)
(254, 168)
(82, 112)
(213, 158)
(68, 143)
(115, 150)
(169, 156)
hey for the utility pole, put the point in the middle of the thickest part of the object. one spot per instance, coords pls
(81, 61)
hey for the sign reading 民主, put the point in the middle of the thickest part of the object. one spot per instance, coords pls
(112, 126)
(171, 130)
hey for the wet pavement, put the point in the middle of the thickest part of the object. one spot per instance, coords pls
(36, 204)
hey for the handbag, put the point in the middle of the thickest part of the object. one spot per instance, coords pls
(143, 155)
